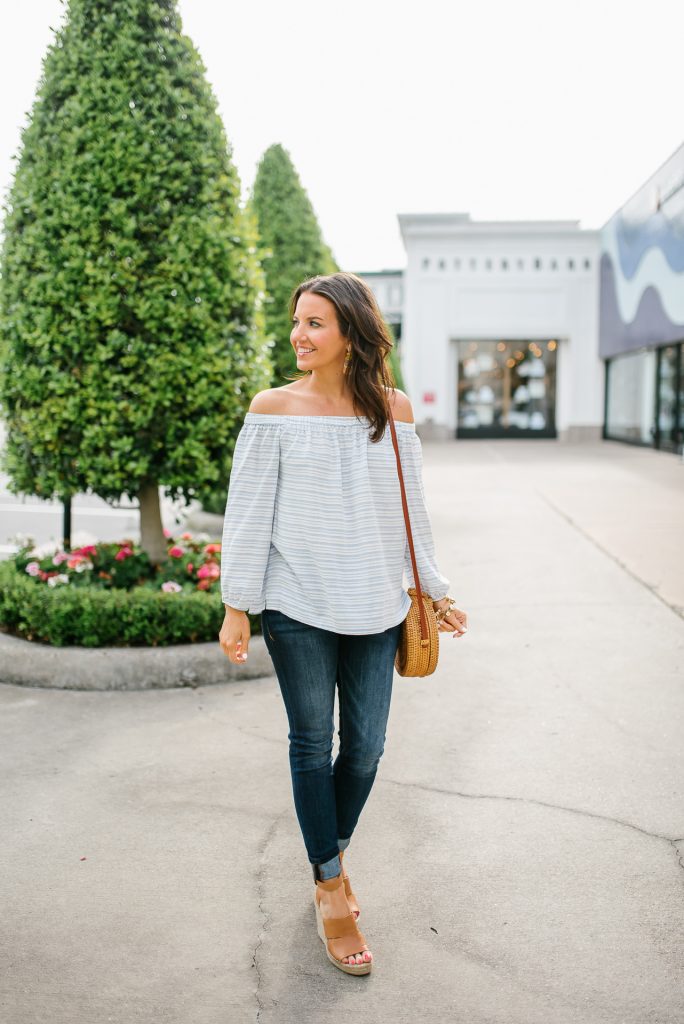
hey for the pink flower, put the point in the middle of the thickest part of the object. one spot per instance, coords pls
(208, 571)
(211, 549)
(171, 587)
(186, 536)
(190, 567)
(60, 557)
(167, 533)
(204, 584)
(124, 552)
(33, 568)
(176, 552)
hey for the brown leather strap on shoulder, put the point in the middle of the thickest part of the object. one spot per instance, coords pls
(421, 607)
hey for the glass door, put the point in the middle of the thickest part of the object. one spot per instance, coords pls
(507, 388)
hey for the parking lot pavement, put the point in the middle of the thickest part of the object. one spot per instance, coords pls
(519, 860)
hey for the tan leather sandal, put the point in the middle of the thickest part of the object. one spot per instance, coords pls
(351, 898)
(340, 935)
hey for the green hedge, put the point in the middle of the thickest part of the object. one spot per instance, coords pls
(91, 617)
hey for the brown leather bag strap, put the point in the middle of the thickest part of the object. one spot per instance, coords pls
(421, 607)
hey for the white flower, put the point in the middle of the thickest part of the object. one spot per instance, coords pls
(54, 581)
(51, 547)
(33, 568)
(22, 540)
(171, 587)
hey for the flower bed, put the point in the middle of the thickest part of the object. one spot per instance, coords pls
(109, 594)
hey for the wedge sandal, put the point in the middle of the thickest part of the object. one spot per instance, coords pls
(340, 935)
(351, 898)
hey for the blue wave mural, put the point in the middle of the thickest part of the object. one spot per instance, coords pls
(659, 232)
(642, 266)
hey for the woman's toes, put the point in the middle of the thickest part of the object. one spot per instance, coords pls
(357, 958)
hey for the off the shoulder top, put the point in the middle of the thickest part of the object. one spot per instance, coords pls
(314, 525)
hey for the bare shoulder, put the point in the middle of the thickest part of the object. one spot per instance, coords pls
(401, 405)
(271, 402)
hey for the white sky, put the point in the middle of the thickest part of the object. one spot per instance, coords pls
(507, 110)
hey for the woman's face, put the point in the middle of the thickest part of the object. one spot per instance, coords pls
(315, 335)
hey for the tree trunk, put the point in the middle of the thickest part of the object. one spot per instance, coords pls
(152, 539)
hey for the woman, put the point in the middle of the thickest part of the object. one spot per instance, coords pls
(314, 538)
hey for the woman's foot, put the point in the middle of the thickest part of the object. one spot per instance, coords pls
(351, 898)
(333, 904)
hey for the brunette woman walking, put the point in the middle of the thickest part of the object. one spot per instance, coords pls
(314, 539)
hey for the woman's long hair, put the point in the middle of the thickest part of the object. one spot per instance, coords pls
(361, 323)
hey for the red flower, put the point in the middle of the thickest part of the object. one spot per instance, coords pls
(176, 552)
(87, 551)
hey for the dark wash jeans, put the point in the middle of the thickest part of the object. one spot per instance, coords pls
(309, 663)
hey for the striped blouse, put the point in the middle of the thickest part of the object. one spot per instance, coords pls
(314, 525)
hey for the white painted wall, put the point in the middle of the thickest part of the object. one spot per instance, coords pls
(443, 303)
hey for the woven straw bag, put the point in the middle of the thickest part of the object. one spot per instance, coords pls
(418, 648)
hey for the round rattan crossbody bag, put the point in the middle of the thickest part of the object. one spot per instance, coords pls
(418, 648)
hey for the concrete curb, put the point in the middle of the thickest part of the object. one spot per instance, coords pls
(25, 663)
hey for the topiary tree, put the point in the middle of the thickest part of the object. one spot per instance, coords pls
(132, 332)
(292, 247)
(393, 359)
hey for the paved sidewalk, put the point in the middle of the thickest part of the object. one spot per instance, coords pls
(520, 859)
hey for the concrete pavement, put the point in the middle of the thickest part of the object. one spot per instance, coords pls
(519, 860)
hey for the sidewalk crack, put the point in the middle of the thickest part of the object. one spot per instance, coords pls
(544, 803)
(652, 588)
(265, 925)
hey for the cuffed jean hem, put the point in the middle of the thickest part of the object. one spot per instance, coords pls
(333, 867)
(328, 869)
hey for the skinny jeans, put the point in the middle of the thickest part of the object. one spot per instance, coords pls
(310, 663)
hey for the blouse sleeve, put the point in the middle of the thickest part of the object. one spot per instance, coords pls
(432, 582)
(248, 520)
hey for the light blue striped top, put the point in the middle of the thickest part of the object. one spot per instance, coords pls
(314, 525)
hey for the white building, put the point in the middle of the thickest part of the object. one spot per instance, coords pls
(499, 326)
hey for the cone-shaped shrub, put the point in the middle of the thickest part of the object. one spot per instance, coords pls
(292, 247)
(131, 319)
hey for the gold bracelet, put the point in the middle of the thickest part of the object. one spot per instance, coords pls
(440, 613)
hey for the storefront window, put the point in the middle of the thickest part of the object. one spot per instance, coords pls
(630, 413)
(507, 388)
(669, 412)
(681, 398)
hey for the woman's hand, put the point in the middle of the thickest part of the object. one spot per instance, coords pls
(455, 622)
(235, 634)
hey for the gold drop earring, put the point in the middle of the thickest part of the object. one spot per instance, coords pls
(347, 359)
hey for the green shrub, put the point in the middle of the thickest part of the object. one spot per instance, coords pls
(131, 320)
(88, 597)
(291, 249)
